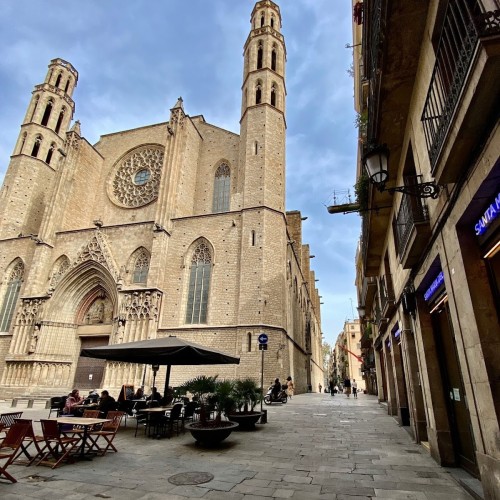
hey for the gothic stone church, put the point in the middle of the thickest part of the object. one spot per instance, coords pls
(177, 228)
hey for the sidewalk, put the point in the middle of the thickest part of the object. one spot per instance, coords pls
(314, 447)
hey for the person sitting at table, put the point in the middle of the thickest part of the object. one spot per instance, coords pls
(72, 400)
(139, 393)
(155, 396)
(106, 403)
(92, 397)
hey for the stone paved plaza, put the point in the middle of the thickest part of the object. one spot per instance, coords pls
(316, 446)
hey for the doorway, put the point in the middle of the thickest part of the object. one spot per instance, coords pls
(90, 371)
(454, 394)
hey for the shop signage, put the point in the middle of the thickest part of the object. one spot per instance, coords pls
(435, 285)
(491, 213)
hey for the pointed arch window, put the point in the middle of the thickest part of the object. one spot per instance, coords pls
(260, 55)
(273, 58)
(262, 19)
(222, 189)
(258, 93)
(272, 21)
(67, 85)
(46, 114)
(14, 283)
(37, 98)
(50, 152)
(59, 120)
(36, 146)
(58, 81)
(141, 267)
(199, 285)
(273, 95)
(23, 142)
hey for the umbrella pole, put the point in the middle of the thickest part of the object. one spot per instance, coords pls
(167, 380)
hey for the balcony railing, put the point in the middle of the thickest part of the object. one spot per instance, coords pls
(465, 21)
(411, 212)
(386, 292)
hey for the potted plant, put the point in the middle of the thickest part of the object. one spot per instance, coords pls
(213, 396)
(247, 395)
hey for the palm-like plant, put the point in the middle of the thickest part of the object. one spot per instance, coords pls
(202, 388)
(247, 394)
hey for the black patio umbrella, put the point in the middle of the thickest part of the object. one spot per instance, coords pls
(163, 351)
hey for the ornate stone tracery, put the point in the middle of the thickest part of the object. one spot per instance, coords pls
(124, 190)
(30, 310)
(141, 305)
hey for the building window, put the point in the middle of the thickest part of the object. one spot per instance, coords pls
(258, 93)
(11, 295)
(37, 98)
(36, 146)
(199, 285)
(262, 19)
(46, 114)
(23, 141)
(58, 81)
(141, 267)
(59, 120)
(50, 152)
(253, 238)
(249, 340)
(272, 21)
(67, 85)
(273, 59)
(222, 185)
(273, 95)
(260, 55)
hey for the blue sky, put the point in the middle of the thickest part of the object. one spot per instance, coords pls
(134, 59)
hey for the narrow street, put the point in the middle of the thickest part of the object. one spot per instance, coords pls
(314, 447)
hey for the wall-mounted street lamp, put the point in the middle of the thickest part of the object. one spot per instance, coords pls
(376, 161)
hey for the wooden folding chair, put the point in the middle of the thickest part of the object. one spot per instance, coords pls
(29, 439)
(57, 445)
(107, 432)
(7, 419)
(9, 447)
(78, 430)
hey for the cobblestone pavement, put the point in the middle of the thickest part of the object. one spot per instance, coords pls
(315, 447)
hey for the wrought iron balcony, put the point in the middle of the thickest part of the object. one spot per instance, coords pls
(386, 292)
(411, 228)
(465, 22)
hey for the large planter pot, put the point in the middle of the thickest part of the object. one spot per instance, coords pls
(211, 435)
(247, 420)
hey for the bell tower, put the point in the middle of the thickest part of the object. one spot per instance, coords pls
(36, 156)
(262, 124)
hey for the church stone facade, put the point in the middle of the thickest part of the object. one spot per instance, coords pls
(177, 228)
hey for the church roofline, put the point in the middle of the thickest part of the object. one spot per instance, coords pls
(135, 128)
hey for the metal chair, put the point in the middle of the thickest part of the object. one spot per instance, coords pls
(167, 422)
(10, 445)
(56, 405)
(188, 415)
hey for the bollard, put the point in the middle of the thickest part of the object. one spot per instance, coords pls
(263, 417)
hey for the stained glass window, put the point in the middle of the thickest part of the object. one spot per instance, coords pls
(199, 285)
(222, 184)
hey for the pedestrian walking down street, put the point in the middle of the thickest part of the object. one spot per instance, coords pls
(347, 386)
(289, 387)
(320, 387)
(332, 388)
(354, 388)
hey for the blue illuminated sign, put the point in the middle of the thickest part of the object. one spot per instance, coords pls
(435, 285)
(491, 213)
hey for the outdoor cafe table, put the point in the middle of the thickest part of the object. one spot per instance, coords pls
(156, 409)
(86, 423)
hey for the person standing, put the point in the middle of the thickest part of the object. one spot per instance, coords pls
(347, 386)
(332, 388)
(320, 387)
(354, 388)
(289, 387)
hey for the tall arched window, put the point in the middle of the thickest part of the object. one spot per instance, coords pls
(258, 93)
(273, 58)
(272, 21)
(262, 19)
(58, 81)
(37, 98)
(260, 55)
(50, 152)
(23, 142)
(14, 282)
(141, 267)
(199, 285)
(222, 185)
(46, 114)
(249, 342)
(59, 120)
(67, 85)
(273, 95)
(36, 146)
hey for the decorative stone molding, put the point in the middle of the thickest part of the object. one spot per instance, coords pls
(97, 250)
(29, 310)
(141, 305)
(136, 177)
